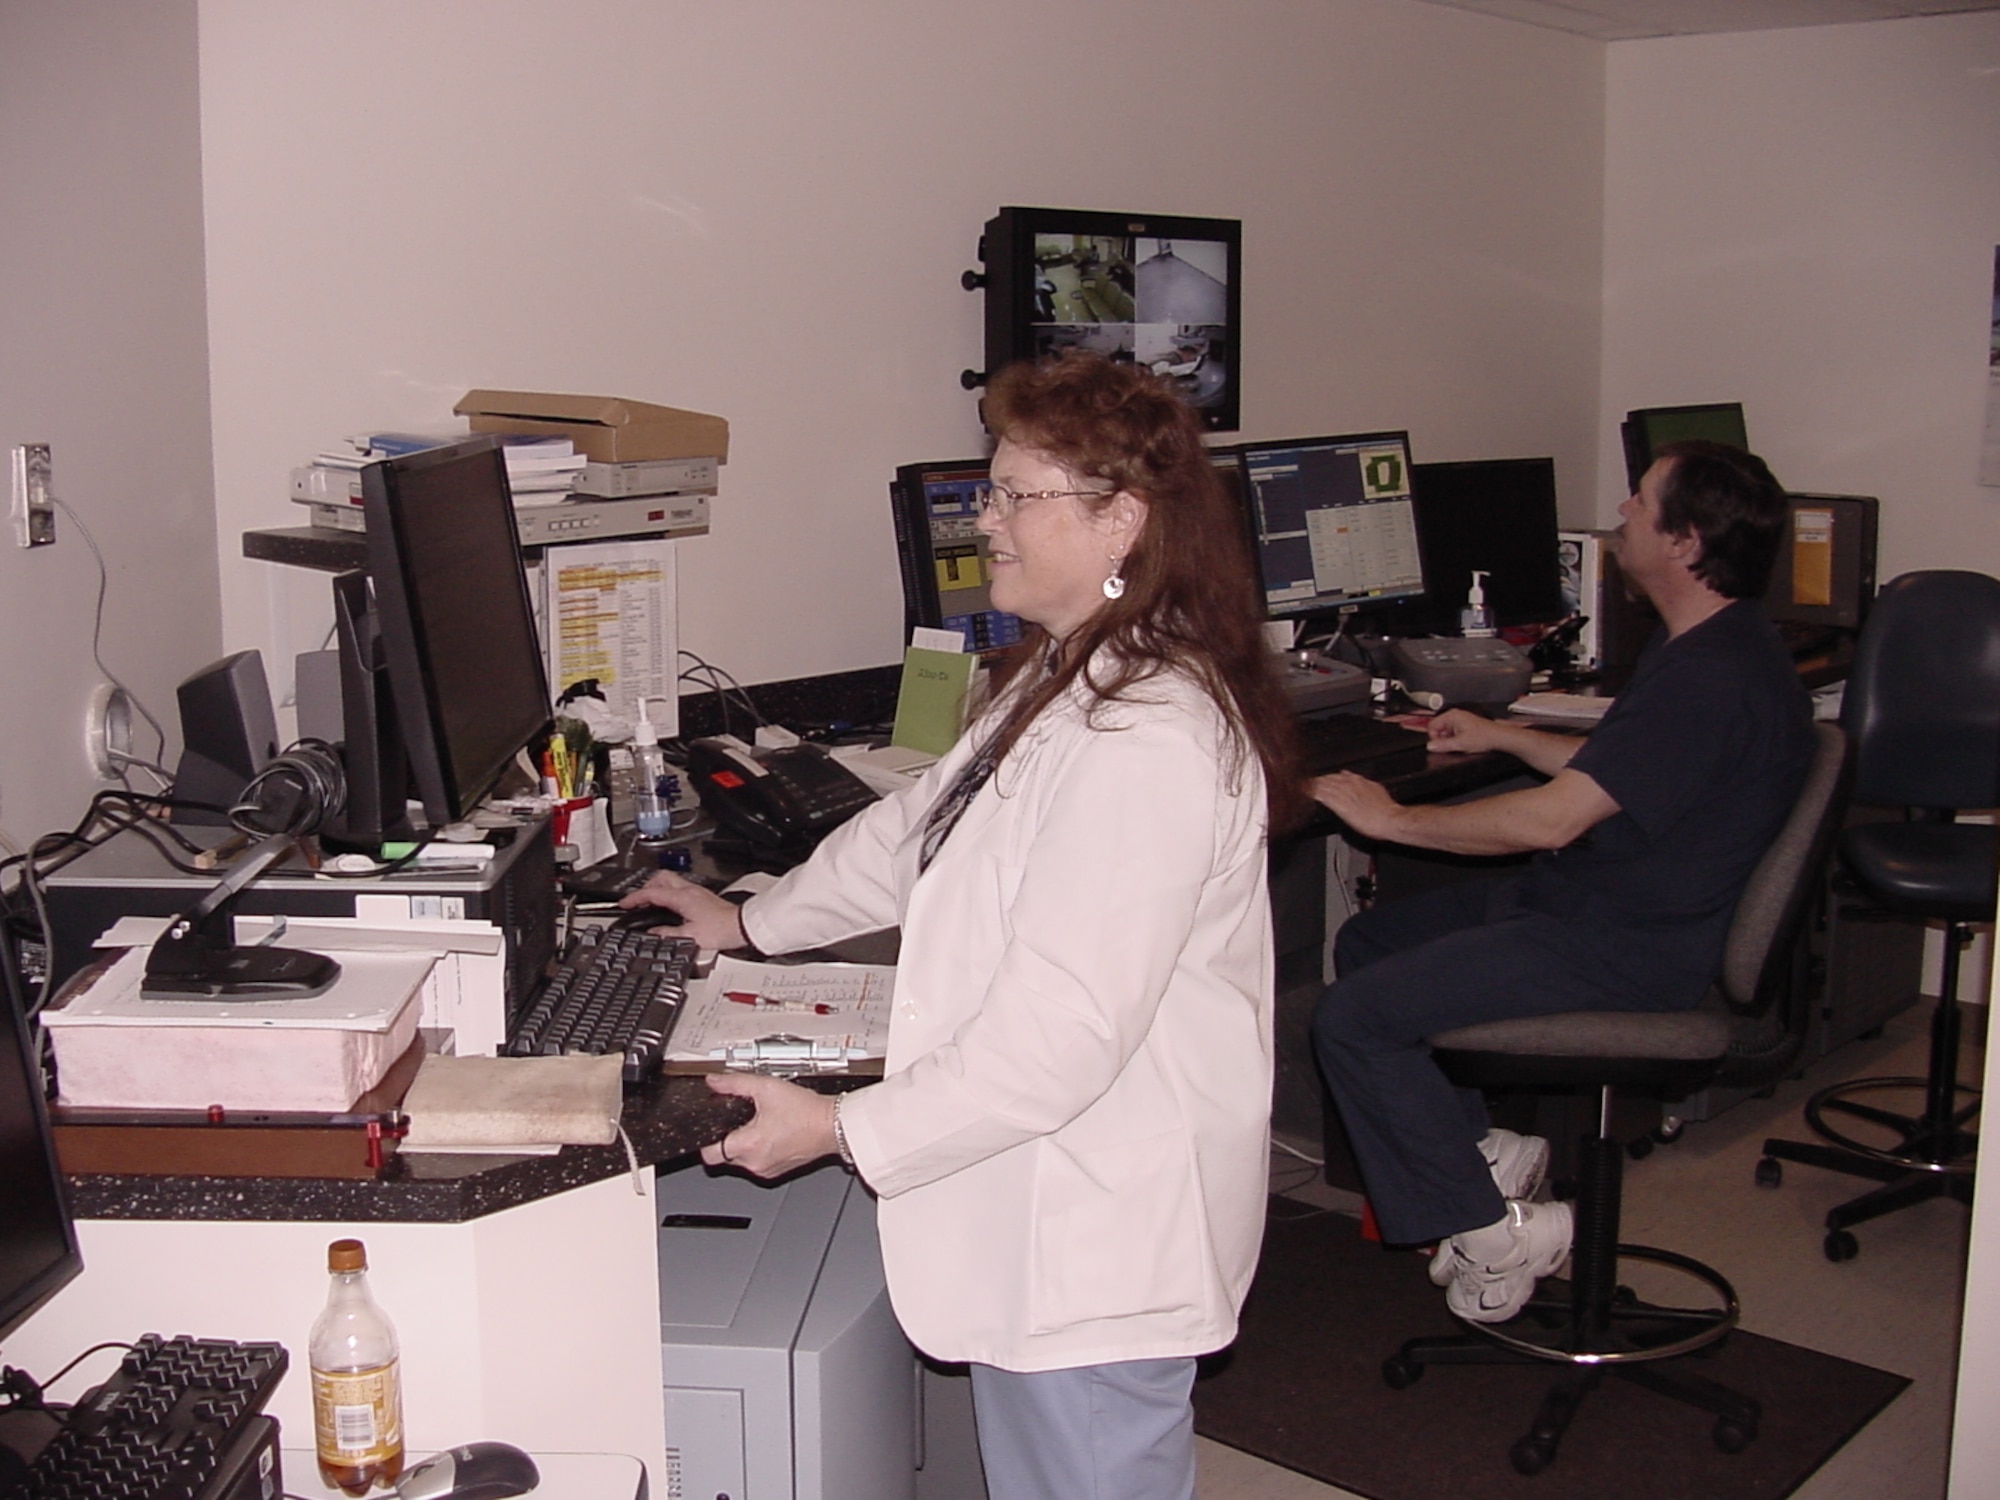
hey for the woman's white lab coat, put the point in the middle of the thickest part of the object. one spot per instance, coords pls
(1070, 1146)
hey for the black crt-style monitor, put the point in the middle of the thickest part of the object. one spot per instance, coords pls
(1825, 572)
(1332, 523)
(1647, 430)
(942, 553)
(38, 1246)
(442, 673)
(1499, 516)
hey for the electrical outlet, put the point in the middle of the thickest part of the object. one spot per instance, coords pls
(34, 502)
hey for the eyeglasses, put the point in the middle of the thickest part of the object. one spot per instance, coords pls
(999, 502)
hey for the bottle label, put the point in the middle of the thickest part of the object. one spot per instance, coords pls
(358, 1414)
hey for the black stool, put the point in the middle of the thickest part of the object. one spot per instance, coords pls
(1923, 709)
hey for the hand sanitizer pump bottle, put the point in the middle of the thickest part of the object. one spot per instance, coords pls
(652, 814)
(1475, 621)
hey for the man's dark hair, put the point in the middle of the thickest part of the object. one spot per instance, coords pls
(1728, 500)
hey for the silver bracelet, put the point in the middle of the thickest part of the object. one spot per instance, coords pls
(840, 1133)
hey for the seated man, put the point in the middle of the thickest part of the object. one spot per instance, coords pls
(1646, 834)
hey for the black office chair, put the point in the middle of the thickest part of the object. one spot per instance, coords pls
(1923, 709)
(1595, 1327)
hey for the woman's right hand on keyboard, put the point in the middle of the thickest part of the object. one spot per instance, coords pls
(714, 924)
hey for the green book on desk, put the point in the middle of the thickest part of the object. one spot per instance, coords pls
(930, 707)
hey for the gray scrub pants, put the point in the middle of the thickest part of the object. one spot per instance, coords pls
(1097, 1432)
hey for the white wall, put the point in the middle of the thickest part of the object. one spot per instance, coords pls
(762, 210)
(1805, 221)
(104, 358)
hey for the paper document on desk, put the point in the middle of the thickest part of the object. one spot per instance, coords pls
(837, 1012)
(1578, 707)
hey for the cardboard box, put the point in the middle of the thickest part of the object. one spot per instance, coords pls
(606, 429)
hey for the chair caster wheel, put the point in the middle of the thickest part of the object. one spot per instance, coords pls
(1401, 1373)
(1638, 1148)
(1840, 1246)
(1731, 1436)
(1531, 1455)
(1669, 1130)
(1770, 1172)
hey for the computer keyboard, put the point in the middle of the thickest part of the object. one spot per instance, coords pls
(618, 990)
(174, 1422)
(1342, 742)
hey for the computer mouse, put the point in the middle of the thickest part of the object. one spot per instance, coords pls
(473, 1471)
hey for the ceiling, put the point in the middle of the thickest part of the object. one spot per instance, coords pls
(1626, 20)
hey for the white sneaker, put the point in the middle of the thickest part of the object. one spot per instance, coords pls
(1518, 1162)
(1496, 1291)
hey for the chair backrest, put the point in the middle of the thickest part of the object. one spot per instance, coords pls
(1922, 704)
(1757, 959)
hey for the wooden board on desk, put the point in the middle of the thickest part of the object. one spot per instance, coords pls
(246, 1143)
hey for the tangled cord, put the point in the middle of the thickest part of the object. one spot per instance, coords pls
(295, 794)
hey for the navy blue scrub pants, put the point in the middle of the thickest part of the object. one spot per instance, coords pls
(1410, 969)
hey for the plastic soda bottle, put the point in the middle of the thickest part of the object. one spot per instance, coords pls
(357, 1388)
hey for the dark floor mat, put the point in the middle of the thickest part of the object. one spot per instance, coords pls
(1302, 1387)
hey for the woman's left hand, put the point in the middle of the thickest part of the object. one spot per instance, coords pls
(793, 1126)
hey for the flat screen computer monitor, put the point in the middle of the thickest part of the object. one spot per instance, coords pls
(1499, 516)
(38, 1249)
(442, 675)
(943, 553)
(1332, 524)
(1650, 428)
(1825, 572)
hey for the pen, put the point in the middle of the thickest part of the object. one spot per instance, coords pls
(798, 1007)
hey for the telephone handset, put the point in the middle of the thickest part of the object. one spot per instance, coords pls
(774, 797)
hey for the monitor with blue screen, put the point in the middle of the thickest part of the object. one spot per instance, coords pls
(1332, 523)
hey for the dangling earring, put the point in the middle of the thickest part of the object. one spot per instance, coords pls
(1114, 586)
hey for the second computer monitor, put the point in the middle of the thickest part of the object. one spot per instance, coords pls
(1645, 431)
(1499, 516)
(1331, 522)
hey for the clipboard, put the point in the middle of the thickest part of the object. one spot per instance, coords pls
(787, 1020)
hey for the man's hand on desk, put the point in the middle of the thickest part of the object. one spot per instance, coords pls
(793, 1126)
(1364, 806)
(714, 924)
(1458, 731)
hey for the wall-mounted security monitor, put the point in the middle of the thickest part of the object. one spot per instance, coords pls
(1651, 428)
(1161, 291)
(1331, 522)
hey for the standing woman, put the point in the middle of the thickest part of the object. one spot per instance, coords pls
(1070, 1142)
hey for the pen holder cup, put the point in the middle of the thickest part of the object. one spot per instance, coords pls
(585, 823)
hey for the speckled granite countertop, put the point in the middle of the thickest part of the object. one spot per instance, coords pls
(666, 1118)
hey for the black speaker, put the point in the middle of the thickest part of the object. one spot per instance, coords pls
(229, 732)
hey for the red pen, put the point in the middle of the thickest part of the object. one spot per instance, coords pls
(801, 1007)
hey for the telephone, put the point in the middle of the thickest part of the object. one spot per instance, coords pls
(774, 797)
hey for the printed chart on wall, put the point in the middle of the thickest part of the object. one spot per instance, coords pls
(609, 612)
(1989, 453)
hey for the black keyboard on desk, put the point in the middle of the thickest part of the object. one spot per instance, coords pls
(1360, 742)
(618, 990)
(178, 1421)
